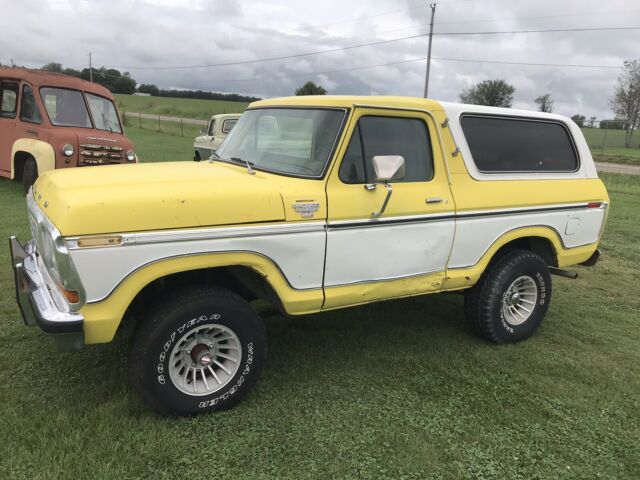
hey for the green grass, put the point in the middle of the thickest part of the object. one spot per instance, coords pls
(152, 146)
(393, 390)
(185, 107)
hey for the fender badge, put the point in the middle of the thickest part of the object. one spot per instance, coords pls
(306, 209)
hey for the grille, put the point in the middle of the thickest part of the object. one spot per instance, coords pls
(95, 154)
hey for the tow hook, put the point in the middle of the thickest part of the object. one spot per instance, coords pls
(561, 272)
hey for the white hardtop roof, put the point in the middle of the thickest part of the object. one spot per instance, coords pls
(456, 109)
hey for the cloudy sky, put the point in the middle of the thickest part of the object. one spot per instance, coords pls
(140, 36)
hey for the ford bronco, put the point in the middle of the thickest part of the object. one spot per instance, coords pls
(311, 204)
(54, 121)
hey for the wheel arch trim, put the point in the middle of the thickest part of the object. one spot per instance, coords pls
(41, 151)
(103, 318)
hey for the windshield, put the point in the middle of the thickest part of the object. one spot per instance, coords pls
(104, 113)
(65, 107)
(292, 141)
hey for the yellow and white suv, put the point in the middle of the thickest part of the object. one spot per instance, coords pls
(312, 204)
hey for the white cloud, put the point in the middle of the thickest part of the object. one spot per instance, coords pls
(137, 34)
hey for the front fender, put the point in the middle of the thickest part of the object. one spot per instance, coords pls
(103, 318)
(42, 152)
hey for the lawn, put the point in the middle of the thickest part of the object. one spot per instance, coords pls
(185, 107)
(398, 389)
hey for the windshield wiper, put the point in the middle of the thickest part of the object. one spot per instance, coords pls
(246, 162)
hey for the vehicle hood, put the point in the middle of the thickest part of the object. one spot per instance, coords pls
(156, 196)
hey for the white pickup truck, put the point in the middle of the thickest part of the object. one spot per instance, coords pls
(210, 139)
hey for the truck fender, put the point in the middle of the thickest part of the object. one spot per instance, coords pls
(41, 151)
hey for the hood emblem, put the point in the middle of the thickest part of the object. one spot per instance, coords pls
(306, 208)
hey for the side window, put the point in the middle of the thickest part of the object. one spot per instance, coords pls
(9, 99)
(212, 125)
(228, 125)
(28, 109)
(375, 136)
(503, 145)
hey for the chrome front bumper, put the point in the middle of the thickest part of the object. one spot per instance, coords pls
(36, 303)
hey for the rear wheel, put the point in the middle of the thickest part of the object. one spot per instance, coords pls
(511, 299)
(29, 173)
(198, 351)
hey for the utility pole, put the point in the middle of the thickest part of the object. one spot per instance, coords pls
(91, 68)
(426, 80)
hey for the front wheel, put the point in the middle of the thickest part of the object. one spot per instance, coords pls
(198, 351)
(511, 299)
(29, 173)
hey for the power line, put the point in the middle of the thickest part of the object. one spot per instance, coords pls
(550, 30)
(412, 60)
(379, 42)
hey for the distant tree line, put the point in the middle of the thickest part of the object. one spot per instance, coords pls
(122, 82)
(200, 94)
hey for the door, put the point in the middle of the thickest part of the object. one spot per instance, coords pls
(8, 112)
(403, 250)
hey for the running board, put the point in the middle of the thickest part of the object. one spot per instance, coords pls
(561, 272)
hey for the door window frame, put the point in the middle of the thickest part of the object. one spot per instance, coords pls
(419, 115)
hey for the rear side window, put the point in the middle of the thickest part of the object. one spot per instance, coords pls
(503, 145)
(374, 136)
(228, 125)
(28, 109)
(9, 99)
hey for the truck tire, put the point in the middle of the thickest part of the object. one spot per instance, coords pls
(199, 350)
(29, 173)
(511, 298)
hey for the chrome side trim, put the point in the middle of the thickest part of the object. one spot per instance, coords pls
(164, 236)
(385, 279)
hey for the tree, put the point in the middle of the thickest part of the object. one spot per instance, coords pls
(124, 84)
(545, 103)
(149, 88)
(626, 99)
(579, 119)
(52, 67)
(310, 88)
(496, 93)
(592, 122)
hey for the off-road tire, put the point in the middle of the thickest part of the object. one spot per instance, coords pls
(484, 302)
(157, 337)
(29, 173)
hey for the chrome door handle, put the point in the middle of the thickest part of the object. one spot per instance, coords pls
(433, 200)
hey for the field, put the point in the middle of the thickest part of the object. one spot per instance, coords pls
(185, 107)
(608, 146)
(393, 390)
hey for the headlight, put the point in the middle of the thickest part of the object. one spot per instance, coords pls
(67, 150)
(131, 156)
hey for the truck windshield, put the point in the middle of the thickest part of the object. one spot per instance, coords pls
(293, 141)
(67, 108)
(104, 113)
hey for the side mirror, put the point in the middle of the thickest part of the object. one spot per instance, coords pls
(388, 167)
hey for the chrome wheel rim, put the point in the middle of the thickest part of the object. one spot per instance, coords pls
(205, 359)
(519, 300)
